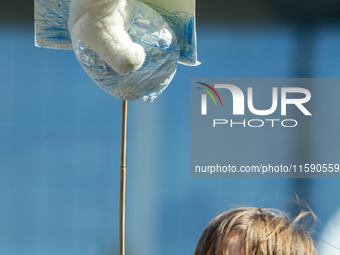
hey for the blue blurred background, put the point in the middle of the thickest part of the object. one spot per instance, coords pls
(60, 136)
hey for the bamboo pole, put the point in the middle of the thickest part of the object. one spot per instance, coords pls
(122, 181)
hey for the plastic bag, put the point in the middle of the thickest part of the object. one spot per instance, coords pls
(147, 28)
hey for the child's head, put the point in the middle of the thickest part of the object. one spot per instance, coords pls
(255, 231)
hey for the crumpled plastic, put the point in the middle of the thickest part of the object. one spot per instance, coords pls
(147, 28)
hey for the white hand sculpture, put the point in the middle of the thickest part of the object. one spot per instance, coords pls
(99, 25)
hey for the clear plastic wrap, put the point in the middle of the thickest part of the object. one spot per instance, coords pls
(147, 28)
(51, 28)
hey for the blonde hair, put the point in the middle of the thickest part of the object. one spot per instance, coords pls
(261, 231)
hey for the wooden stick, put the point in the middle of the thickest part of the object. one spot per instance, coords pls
(122, 181)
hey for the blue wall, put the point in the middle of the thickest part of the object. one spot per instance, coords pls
(60, 147)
